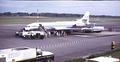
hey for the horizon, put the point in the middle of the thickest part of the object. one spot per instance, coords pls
(61, 13)
(111, 8)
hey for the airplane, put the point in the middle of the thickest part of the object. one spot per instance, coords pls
(59, 27)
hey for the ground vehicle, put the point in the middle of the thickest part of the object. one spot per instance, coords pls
(19, 33)
(33, 33)
(92, 28)
(25, 54)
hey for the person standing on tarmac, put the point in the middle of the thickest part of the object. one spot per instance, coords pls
(40, 27)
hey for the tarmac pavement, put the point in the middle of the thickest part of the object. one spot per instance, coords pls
(66, 47)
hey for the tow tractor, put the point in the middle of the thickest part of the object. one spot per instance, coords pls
(25, 54)
(33, 33)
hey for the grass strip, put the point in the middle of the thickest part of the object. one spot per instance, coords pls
(114, 53)
(76, 60)
(107, 53)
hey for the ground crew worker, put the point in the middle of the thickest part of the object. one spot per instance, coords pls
(40, 27)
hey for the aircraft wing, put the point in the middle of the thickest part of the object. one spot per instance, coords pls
(65, 28)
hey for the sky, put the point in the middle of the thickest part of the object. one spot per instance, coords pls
(111, 8)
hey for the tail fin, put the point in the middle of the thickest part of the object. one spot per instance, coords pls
(85, 18)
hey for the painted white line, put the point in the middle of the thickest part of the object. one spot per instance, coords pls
(61, 44)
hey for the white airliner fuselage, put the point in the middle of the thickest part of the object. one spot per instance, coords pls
(61, 24)
(56, 25)
(77, 24)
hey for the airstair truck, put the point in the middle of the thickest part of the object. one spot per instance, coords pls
(25, 54)
(33, 33)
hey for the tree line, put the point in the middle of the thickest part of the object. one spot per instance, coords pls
(39, 14)
(50, 14)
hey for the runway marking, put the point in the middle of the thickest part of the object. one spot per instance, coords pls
(84, 40)
(54, 45)
(73, 42)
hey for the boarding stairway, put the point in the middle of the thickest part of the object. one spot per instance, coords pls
(43, 29)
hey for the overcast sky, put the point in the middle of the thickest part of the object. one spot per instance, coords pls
(74, 7)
